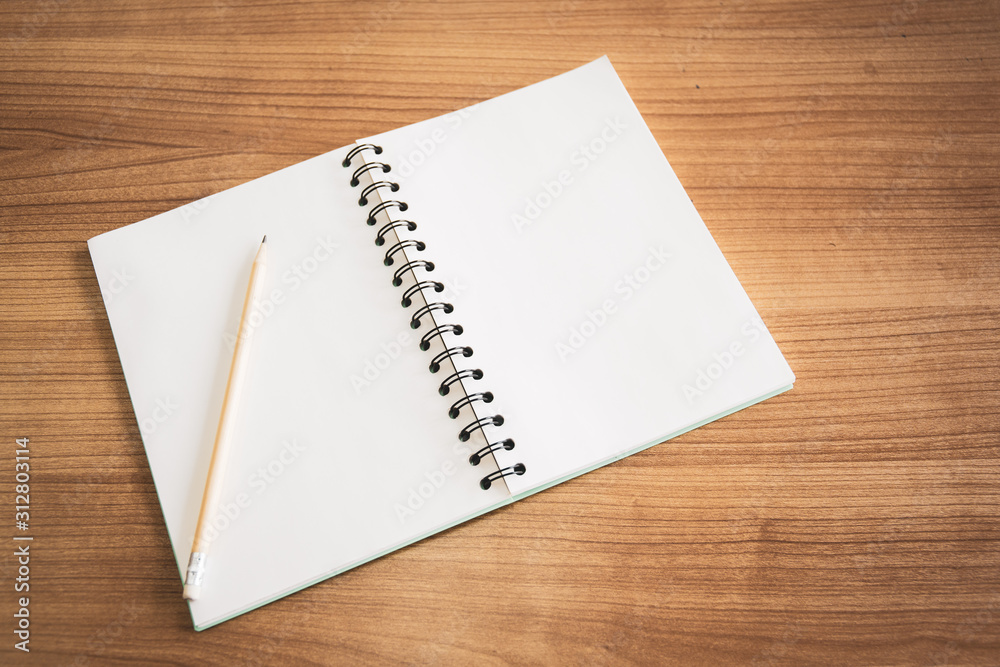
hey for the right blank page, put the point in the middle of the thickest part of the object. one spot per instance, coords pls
(600, 309)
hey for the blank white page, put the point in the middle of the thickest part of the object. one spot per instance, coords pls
(343, 450)
(600, 309)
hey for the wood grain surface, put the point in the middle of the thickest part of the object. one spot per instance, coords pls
(845, 156)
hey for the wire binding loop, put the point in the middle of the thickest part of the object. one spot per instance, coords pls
(456, 409)
(471, 373)
(397, 278)
(416, 245)
(356, 178)
(363, 201)
(407, 299)
(466, 433)
(516, 469)
(380, 239)
(454, 329)
(465, 351)
(384, 206)
(427, 310)
(477, 458)
(357, 149)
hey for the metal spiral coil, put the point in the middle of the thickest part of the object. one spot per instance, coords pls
(428, 309)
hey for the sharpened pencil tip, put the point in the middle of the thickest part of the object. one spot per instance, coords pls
(264, 240)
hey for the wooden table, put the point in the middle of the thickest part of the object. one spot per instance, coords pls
(845, 156)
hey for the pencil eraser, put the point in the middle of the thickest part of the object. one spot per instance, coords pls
(191, 592)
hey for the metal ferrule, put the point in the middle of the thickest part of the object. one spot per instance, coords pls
(196, 569)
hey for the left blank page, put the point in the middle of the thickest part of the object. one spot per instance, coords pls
(342, 451)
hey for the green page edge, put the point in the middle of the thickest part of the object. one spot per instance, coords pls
(504, 503)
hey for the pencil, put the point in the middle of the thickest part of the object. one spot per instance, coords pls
(227, 419)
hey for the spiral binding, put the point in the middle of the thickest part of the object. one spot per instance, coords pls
(466, 433)
(409, 267)
(363, 201)
(419, 287)
(453, 329)
(417, 245)
(380, 239)
(355, 179)
(397, 278)
(427, 310)
(470, 373)
(465, 351)
(516, 469)
(384, 206)
(507, 445)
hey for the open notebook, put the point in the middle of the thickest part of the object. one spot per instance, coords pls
(598, 315)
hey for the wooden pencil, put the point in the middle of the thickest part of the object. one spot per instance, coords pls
(223, 436)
